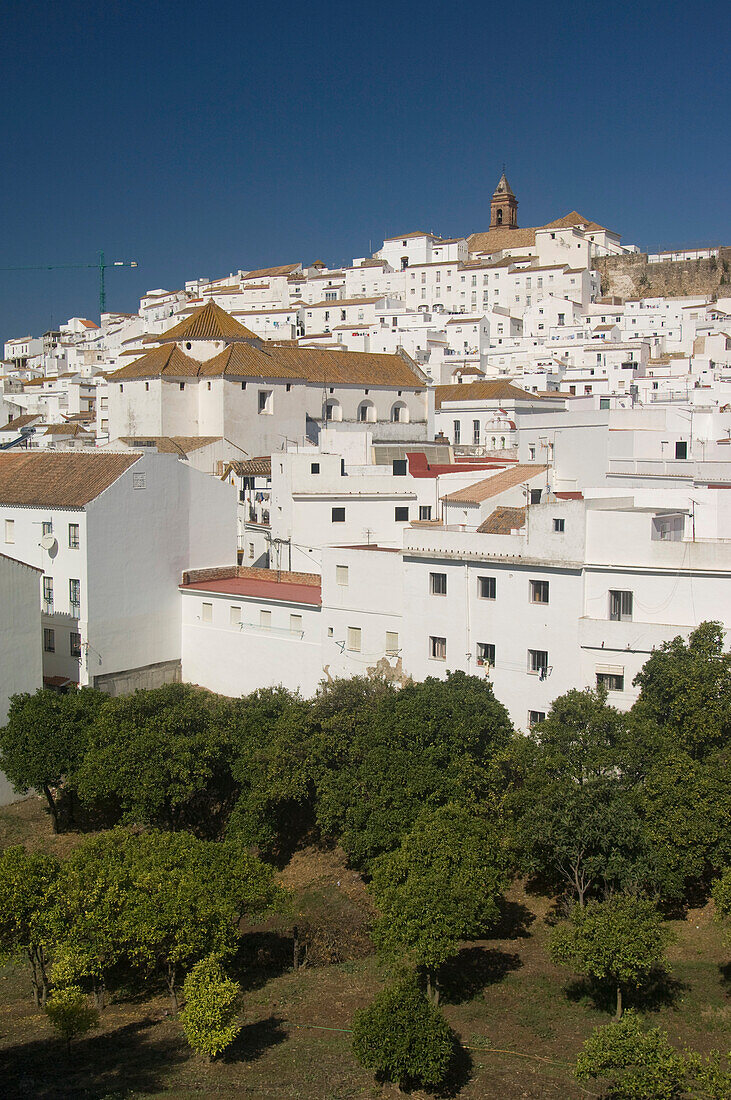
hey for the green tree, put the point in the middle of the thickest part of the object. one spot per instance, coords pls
(209, 1017)
(163, 756)
(26, 886)
(618, 941)
(685, 690)
(635, 1064)
(70, 1013)
(722, 898)
(44, 741)
(404, 1038)
(440, 886)
(428, 744)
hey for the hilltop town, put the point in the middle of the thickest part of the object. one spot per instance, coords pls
(466, 454)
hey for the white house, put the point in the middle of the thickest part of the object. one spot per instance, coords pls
(20, 640)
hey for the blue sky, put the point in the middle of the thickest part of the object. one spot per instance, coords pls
(203, 138)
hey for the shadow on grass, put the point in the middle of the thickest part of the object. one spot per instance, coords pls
(725, 971)
(514, 923)
(128, 1059)
(261, 956)
(472, 970)
(255, 1039)
(660, 990)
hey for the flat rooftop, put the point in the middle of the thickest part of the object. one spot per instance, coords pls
(261, 584)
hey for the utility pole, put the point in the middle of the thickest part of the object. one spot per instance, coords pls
(101, 266)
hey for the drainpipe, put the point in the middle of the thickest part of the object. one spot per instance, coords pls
(468, 652)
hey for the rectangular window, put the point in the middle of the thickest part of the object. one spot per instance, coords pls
(559, 525)
(399, 467)
(75, 644)
(251, 550)
(391, 643)
(438, 648)
(206, 612)
(476, 432)
(338, 515)
(234, 614)
(538, 662)
(681, 449)
(438, 584)
(73, 536)
(295, 624)
(620, 606)
(265, 619)
(10, 531)
(535, 717)
(612, 681)
(341, 574)
(486, 588)
(401, 515)
(49, 640)
(486, 654)
(47, 528)
(75, 596)
(425, 511)
(354, 639)
(531, 453)
(48, 594)
(265, 401)
(535, 496)
(456, 427)
(539, 591)
(314, 467)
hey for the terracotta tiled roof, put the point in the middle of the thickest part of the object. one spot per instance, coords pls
(568, 221)
(66, 429)
(21, 422)
(503, 521)
(268, 272)
(166, 360)
(245, 361)
(481, 391)
(209, 322)
(251, 467)
(62, 479)
(171, 444)
(495, 240)
(493, 486)
(350, 367)
(406, 236)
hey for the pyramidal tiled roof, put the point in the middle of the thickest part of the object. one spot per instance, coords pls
(210, 322)
(503, 187)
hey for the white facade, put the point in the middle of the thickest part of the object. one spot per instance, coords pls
(20, 640)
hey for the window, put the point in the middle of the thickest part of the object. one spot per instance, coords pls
(139, 481)
(295, 624)
(438, 649)
(531, 453)
(535, 717)
(338, 515)
(10, 531)
(399, 467)
(73, 536)
(234, 613)
(206, 612)
(486, 588)
(438, 584)
(48, 594)
(604, 403)
(486, 654)
(47, 528)
(538, 662)
(620, 606)
(559, 526)
(612, 681)
(476, 432)
(265, 402)
(49, 640)
(75, 595)
(265, 620)
(182, 385)
(251, 550)
(341, 574)
(535, 496)
(681, 449)
(354, 639)
(455, 425)
(425, 511)
(539, 591)
(391, 643)
(401, 515)
(314, 467)
(74, 644)
(366, 413)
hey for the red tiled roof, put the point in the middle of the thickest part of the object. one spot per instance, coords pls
(260, 589)
(493, 486)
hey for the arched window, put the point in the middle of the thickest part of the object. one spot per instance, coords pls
(494, 442)
(499, 218)
(367, 412)
(400, 413)
(502, 442)
(333, 410)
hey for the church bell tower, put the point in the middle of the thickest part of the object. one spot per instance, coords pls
(503, 206)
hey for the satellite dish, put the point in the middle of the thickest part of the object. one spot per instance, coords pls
(48, 542)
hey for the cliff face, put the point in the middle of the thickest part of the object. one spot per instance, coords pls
(631, 276)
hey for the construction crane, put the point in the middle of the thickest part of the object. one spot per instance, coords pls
(101, 266)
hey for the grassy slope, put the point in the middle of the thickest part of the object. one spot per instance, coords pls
(501, 993)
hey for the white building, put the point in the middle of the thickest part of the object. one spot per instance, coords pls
(20, 640)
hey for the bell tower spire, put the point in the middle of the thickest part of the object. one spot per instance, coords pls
(503, 206)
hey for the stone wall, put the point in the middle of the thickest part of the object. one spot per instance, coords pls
(631, 276)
